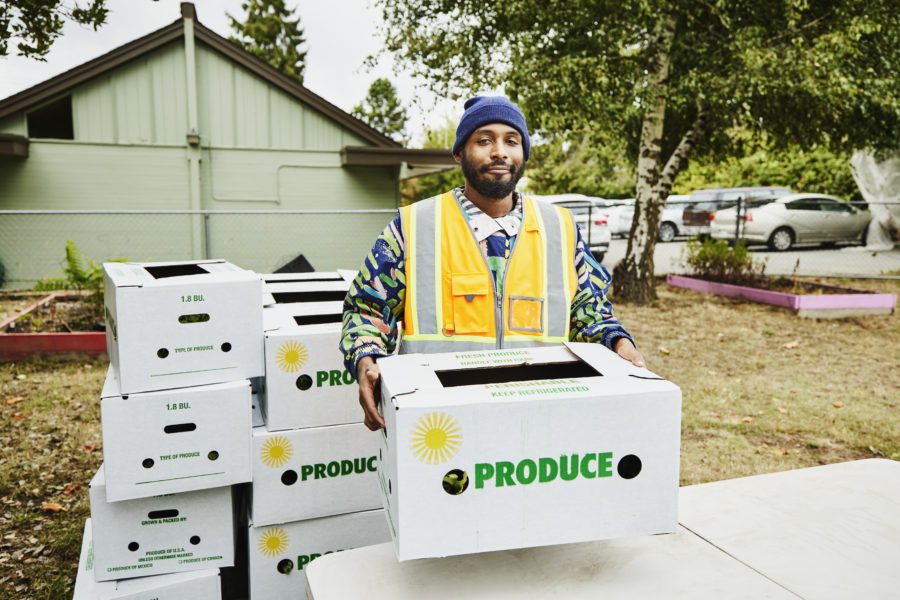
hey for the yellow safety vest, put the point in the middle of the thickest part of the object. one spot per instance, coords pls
(451, 304)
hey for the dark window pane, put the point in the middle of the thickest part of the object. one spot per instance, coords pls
(52, 121)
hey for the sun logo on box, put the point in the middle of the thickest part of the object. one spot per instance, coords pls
(276, 451)
(291, 356)
(273, 542)
(435, 438)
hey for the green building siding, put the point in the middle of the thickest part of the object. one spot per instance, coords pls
(261, 149)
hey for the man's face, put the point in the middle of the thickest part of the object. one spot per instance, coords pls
(492, 160)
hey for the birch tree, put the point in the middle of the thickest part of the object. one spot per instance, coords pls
(668, 80)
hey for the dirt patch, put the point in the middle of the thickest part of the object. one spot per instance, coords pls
(63, 314)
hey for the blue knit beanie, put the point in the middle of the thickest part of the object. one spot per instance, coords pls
(481, 110)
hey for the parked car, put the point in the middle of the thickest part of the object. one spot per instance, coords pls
(670, 223)
(590, 219)
(704, 203)
(619, 214)
(794, 219)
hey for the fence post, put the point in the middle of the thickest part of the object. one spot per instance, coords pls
(206, 244)
(737, 220)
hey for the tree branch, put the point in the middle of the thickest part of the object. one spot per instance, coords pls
(690, 140)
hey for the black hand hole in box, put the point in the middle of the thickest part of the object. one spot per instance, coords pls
(312, 296)
(508, 374)
(289, 477)
(213, 455)
(195, 539)
(304, 382)
(629, 467)
(162, 353)
(180, 428)
(285, 566)
(318, 319)
(226, 347)
(195, 318)
(147, 463)
(133, 546)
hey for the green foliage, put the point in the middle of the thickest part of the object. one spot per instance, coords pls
(591, 167)
(33, 26)
(382, 110)
(272, 32)
(715, 260)
(78, 276)
(804, 72)
(817, 170)
(426, 186)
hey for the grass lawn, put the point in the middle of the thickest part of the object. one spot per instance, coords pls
(763, 391)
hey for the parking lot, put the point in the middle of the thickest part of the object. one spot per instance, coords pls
(852, 261)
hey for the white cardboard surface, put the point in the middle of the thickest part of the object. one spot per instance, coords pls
(829, 532)
(174, 440)
(513, 441)
(196, 585)
(676, 567)
(306, 382)
(279, 554)
(316, 472)
(161, 545)
(152, 350)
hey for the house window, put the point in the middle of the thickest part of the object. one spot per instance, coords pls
(52, 120)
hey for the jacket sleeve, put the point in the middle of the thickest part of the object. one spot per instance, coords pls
(373, 306)
(591, 315)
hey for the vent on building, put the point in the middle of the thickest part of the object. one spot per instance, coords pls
(52, 120)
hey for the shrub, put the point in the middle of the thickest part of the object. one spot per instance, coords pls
(715, 260)
(78, 276)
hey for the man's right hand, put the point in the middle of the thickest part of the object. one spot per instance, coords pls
(369, 377)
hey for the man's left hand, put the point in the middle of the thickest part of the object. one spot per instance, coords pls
(626, 350)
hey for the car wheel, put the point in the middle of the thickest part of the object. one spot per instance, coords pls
(667, 232)
(781, 239)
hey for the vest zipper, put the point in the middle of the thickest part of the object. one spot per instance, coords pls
(498, 297)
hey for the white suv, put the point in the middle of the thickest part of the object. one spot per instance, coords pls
(589, 218)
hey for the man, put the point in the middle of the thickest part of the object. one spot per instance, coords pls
(478, 267)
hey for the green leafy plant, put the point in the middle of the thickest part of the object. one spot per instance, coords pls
(715, 260)
(79, 275)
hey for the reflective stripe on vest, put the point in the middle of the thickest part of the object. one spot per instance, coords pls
(451, 304)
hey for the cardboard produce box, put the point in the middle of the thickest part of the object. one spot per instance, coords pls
(294, 292)
(172, 325)
(174, 440)
(316, 472)
(279, 554)
(162, 534)
(195, 585)
(306, 382)
(517, 448)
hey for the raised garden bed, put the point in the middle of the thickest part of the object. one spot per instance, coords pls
(60, 322)
(808, 299)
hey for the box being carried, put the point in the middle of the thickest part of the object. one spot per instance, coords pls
(506, 449)
(279, 554)
(315, 472)
(306, 382)
(196, 585)
(174, 440)
(162, 534)
(181, 324)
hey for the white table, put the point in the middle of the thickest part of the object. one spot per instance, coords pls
(824, 532)
(819, 533)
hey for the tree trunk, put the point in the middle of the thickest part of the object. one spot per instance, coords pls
(633, 276)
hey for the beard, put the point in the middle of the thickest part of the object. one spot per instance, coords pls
(485, 184)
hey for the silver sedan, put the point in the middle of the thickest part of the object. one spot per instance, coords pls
(793, 219)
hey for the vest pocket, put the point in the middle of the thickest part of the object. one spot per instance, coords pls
(473, 310)
(526, 314)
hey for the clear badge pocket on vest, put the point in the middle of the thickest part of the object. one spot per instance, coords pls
(473, 309)
(526, 314)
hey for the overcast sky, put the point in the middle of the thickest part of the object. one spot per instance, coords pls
(340, 34)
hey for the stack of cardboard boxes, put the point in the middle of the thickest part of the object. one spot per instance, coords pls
(315, 488)
(183, 340)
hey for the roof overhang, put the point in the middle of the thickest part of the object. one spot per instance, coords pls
(432, 159)
(13, 145)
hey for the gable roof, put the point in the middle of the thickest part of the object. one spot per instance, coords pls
(171, 33)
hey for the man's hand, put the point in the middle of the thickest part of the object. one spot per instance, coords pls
(369, 377)
(626, 350)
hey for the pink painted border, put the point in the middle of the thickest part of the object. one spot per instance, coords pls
(792, 301)
(19, 346)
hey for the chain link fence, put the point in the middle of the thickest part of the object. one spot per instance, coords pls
(32, 243)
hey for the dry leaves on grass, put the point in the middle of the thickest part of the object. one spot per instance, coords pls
(838, 404)
(14, 400)
(791, 345)
(52, 507)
